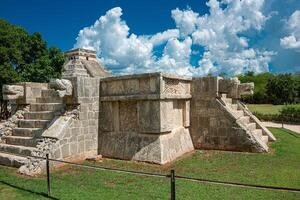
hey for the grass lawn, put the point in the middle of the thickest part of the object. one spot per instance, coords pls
(265, 108)
(280, 167)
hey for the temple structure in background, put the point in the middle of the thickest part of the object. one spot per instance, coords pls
(153, 117)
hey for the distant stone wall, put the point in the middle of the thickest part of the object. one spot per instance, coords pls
(144, 117)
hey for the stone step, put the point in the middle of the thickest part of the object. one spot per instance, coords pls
(238, 113)
(30, 123)
(245, 119)
(21, 141)
(234, 106)
(258, 132)
(265, 139)
(49, 94)
(49, 100)
(44, 115)
(12, 160)
(27, 132)
(251, 126)
(23, 150)
(228, 100)
(46, 107)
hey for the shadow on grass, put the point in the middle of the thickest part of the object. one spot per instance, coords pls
(27, 190)
(296, 135)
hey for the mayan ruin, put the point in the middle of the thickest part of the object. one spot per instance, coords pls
(152, 117)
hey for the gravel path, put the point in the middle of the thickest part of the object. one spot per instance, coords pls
(295, 128)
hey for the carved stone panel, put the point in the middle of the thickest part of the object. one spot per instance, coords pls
(106, 116)
(128, 115)
(148, 116)
(176, 86)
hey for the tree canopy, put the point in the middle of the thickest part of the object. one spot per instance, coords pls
(273, 88)
(26, 57)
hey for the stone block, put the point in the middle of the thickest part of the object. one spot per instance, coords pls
(107, 116)
(80, 148)
(73, 148)
(186, 113)
(171, 115)
(128, 116)
(83, 115)
(149, 116)
(144, 85)
(65, 150)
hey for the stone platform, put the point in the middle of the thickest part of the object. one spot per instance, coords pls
(145, 117)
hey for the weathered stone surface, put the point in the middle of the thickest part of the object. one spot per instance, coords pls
(142, 117)
(234, 88)
(149, 116)
(12, 92)
(62, 86)
(83, 62)
(154, 117)
(216, 123)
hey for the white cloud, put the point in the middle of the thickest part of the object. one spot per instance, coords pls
(293, 40)
(160, 38)
(219, 32)
(185, 20)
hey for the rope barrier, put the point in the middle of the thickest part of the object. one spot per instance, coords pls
(217, 182)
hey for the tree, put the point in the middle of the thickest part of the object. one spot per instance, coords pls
(25, 57)
(260, 81)
(281, 89)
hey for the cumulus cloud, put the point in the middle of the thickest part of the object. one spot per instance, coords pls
(293, 40)
(185, 21)
(219, 33)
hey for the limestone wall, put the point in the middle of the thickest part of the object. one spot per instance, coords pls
(144, 117)
(212, 126)
(23, 93)
(77, 130)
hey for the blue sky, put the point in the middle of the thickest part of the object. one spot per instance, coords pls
(268, 37)
(60, 21)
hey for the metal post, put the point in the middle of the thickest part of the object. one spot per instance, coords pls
(173, 193)
(48, 175)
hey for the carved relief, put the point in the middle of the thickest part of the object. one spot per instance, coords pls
(128, 116)
(174, 86)
(12, 92)
(62, 86)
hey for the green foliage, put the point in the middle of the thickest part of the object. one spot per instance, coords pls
(260, 81)
(291, 113)
(281, 89)
(271, 88)
(25, 57)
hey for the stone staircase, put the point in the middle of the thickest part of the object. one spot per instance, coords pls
(75, 68)
(246, 119)
(26, 135)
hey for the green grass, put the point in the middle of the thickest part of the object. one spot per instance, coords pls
(280, 167)
(265, 108)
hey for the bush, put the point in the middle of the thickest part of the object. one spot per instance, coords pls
(260, 81)
(291, 113)
(281, 89)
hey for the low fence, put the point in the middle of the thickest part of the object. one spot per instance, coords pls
(171, 176)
